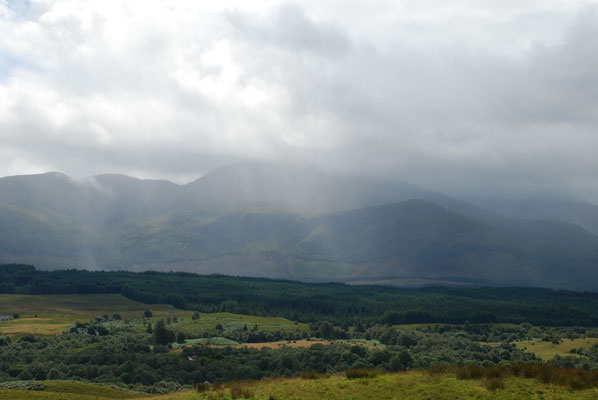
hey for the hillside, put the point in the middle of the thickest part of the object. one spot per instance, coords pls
(284, 221)
(406, 385)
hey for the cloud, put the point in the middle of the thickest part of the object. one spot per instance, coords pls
(461, 96)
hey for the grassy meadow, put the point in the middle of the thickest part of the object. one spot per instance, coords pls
(414, 385)
(45, 315)
(67, 390)
(547, 350)
(231, 321)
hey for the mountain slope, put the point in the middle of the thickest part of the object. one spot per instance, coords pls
(281, 187)
(546, 206)
(287, 221)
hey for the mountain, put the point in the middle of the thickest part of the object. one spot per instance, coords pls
(285, 221)
(297, 189)
(545, 206)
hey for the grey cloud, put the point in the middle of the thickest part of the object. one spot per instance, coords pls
(451, 117)
(394, 98)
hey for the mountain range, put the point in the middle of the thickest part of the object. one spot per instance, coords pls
(297, 222)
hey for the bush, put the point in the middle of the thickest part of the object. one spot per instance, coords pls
(309, 375)
(202, 387)
(240, 390)
(469, 372)
(361, 373)
(548, 374)
(439, 370)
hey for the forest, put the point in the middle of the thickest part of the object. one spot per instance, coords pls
(338, 303)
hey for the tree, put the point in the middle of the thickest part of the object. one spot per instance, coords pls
(147, 314)
(163, 336)
(405, 359)
(149, 328)
(195, 316)
(180, 337)
(55, 374)
(326, 330)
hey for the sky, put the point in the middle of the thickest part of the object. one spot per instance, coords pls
(478, 96)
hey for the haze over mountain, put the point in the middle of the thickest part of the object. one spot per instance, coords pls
(544, 206)
(286, 221)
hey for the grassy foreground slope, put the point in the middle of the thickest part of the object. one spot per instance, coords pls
(408, 385)
(66, 390)
(413, 385)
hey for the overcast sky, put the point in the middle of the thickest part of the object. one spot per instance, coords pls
(453, 95)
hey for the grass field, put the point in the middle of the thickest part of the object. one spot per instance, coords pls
(237, 321)
(53, 314)
(546, 350)
(415, 385)
(65, 390)
(409, 385)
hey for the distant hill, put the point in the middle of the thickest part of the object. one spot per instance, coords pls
(546, 206)
(285, 221)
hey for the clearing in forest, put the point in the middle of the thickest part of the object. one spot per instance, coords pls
(547, 350)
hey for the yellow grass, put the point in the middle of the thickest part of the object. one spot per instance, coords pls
(411, 385)
(547, 350)
(414, 385)
(55, 313)
(67, 390)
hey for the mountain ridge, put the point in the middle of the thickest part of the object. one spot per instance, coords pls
(289, 223)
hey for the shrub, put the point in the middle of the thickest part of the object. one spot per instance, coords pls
(202, 387)
(548, 374)
(439, 370)
(469, 372)
(309, 375)
(239, 390)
